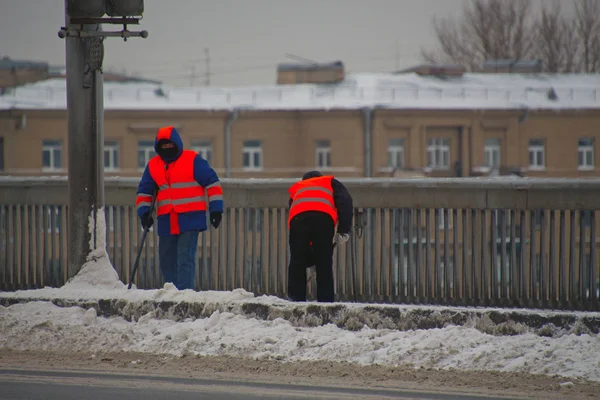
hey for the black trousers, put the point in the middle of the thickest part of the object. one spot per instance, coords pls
(318, 228)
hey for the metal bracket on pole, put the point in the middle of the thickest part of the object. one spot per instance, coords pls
(81, 33)
(93, 57)
(125, 34)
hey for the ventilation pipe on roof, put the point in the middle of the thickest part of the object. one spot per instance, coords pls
(367, 119)
(524, 116)
(230, 120)
(22, 124)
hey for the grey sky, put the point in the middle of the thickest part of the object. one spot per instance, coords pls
(246, 38)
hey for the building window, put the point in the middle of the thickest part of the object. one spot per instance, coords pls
(111, 155)
(585, 154)
(51, 155)
(204, 148)
(145, 152)
(491, 153)
(438, 153)
(323, 154)
(252, 155)
(396, 153)
(537, 156)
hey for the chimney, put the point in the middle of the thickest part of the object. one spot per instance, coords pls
(290, 74)
(438, 70)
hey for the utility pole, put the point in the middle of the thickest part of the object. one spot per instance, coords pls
(193, 76)
(301, 59)
(207, 68)
(85, 110)
(397, 56)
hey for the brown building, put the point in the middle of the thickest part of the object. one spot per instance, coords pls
(431, 122)
(293, 74)
(18, 72)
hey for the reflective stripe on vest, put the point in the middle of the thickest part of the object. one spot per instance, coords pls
(143, 200)
(314, 194)
(214, 191)
(177, 188)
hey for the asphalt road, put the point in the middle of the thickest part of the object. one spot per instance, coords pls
(43, 385)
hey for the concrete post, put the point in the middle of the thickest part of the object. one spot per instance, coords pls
(85, 142)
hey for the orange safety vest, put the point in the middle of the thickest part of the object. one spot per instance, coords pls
(314, 194)
(177, 188)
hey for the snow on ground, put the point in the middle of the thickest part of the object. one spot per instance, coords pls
(42, 325)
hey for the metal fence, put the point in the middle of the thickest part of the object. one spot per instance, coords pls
(472, 242)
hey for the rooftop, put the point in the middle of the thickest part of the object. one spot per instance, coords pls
(483, 91)
(309, 66)
(7, 63)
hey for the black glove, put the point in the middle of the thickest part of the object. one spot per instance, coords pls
(215, 218)
(147, 221)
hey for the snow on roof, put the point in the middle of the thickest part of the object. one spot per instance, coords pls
(7, 63)
(511, 63)
(393, 91)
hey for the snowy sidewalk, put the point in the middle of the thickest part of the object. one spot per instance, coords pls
(170, 303)
(168, 321)
(95, 312)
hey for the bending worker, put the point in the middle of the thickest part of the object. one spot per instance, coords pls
(317, 204)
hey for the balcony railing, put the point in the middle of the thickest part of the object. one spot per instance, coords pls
(471, 242)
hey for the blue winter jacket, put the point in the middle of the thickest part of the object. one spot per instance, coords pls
(204, 175)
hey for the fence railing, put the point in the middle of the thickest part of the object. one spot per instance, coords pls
(472, 242)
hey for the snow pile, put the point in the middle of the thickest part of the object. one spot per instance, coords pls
(42, 325)
(382, 90)
(97, 272)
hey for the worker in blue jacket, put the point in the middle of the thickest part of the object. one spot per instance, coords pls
(182, 180)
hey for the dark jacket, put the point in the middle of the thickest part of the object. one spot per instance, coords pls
(343, 204)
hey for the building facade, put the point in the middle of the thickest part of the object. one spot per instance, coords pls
(270, 144)
(18, 72)
(424, 123)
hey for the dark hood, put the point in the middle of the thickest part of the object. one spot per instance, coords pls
(171, 134)
(311, 174)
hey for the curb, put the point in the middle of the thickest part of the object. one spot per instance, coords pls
(351, 317)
